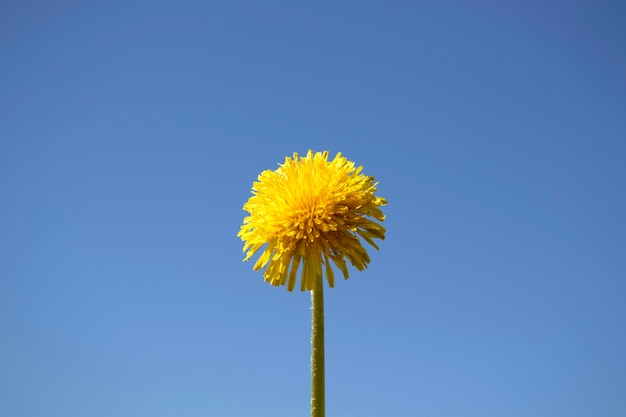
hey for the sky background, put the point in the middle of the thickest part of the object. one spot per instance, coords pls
(131, 133)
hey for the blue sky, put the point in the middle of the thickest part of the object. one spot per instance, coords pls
(131, 133)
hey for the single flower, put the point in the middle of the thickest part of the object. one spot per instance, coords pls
(309, 212)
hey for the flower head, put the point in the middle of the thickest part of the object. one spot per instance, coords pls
(311, 211)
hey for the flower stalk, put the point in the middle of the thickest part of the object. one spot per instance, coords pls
(318, 403)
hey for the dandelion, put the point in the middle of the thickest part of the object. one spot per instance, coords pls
(308, 213)
(311, 214)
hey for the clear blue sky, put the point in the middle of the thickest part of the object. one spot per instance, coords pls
(131, 133)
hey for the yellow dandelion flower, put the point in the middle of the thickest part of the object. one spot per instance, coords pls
(309, 212)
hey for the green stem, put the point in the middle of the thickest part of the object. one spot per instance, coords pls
(318, 405)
